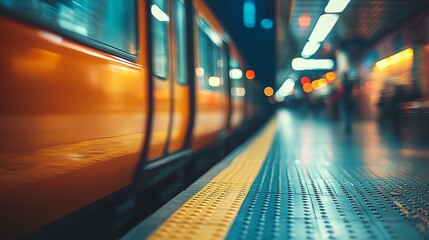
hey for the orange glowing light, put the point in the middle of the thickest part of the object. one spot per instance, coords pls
(268, 91)
(304, 21)
(250, 74)
(305, 80)
(322, 82)
(315, 84)
(330, 76)
(307, 87)
(368, 85)
(395, 59)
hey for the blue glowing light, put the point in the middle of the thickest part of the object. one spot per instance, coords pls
(267, 23)
(249, 13)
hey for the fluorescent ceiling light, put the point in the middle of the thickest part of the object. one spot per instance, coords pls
(279, 98)
(286, 88)
(309, 49)
(336, 6)
(300, 64)
(159, 14)
(323, 26)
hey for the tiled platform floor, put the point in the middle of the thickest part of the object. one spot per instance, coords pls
(318, 182)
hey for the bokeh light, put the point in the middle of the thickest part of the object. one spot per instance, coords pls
(330, 76)
(305, 80)
(268, 91)
(199, 71)
(250, 74)
(315, 84)
(304, 21)
(307, 88)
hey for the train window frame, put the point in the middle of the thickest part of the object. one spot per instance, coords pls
(236, 83)
(180, 58)
(165, 68)
(213, 48)
(79, 38)
(224, 68)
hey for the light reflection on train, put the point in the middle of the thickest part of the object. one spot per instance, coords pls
(100, 101)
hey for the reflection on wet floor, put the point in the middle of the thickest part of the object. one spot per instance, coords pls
(393, 139)
(320, 183)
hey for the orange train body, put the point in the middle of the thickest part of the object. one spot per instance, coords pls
(72, 124)
(77, 123)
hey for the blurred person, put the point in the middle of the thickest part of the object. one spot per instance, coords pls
(334, 102)
(382, 103)
(347, 102)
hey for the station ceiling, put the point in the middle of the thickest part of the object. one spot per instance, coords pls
(361, 23)
(270, 51)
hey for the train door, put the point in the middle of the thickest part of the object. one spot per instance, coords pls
(181, 91)
(161, 77)
(170, 94)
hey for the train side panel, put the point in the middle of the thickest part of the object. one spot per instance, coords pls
(72, 123)
(76, 108)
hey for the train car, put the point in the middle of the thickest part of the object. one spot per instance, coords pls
(102, 100)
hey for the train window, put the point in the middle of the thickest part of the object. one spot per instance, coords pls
(104, 24)
(180, 27)
(209, 74)
(159, 34)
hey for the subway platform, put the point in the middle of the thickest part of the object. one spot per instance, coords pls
(304, 178)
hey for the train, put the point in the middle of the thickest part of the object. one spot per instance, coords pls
(103, 102)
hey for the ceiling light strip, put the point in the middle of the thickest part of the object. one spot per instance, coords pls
(336, 6)
(323, 27)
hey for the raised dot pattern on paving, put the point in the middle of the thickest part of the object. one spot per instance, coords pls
(291, 200)
(210, 213)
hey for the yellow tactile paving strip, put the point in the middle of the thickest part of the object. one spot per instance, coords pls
(210, 213)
